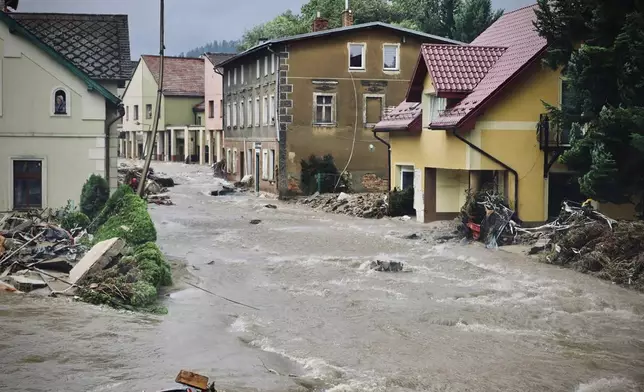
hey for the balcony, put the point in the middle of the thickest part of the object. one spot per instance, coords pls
(550, 136)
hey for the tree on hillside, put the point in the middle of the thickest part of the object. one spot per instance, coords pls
(472, 18)
(282, 25)
(364, 11)
(600, 46)
(214, 47)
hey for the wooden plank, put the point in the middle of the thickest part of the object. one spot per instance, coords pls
(192, 380)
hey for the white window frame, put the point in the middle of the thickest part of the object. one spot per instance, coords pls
(404, 168)
(228, 77)
(241, 71)
(234, 114)
(333, 111)
(265, 65)
(151, 111)
(249, 113)
(264, 164)
(135, 112)
(249, 161)
(228, 115)
(364, 105)
(258, 68)
(234, 165)
(436, 104)
(235, 75)
(271, 113)
(271, 165)
(265, 114)
(272, 63)
(257, 112)
(52, 102)
(364, 56)
(397, 67)
(229, 160)
(242, 114)
(43, 177)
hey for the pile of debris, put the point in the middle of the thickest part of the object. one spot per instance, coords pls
(362, 205)
(156, 186)
(36, 253)
(226, 188)
(486, 216)
(386, 266)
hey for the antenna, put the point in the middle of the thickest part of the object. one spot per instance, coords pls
(346, 5)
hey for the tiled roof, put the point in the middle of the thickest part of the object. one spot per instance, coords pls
(516, 32)
(405, 116)
(97, 44)
(456, 68)
(182, 76)
(216, 58)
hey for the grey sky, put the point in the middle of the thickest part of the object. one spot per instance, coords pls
(189, 23)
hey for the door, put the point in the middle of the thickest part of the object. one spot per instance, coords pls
(242, 161)
(27, 184)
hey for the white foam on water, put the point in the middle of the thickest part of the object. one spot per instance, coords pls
(344, 282)
(482, 328)
(396, 294)
(246, 324)
(357, 386)
(615, 384)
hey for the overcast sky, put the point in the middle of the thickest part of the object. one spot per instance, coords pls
(189, 23)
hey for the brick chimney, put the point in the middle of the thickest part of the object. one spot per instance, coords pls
(347, 15)
(319, 23)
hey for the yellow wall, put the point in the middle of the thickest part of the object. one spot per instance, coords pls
(451, 186)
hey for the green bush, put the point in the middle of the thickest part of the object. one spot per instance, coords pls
(325, 167)
(114, 203)
(401, 202)
(152, 264)
(73, 220)
(94, 195)
(130, 220)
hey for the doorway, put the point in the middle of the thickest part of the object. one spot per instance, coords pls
(242, 161)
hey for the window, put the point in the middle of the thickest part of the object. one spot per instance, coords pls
(249, 162)
(271, 165)
(271, 113)
(266, 66)
(127, 113)
(221, 108)
(234, 160)
(242, 113)
(234, 114)
(60, 102)
(324, 110)
(241, 71)
(229, 161)
(198, 119)
(228, 116)
(211, 109)
(235, 76)
(265, 116)
(436, 105)
(228, 77)
(373, 105)
(265, 164)
(390, 54)
(27, 184)
(256, 112)
(249, 113)
(357, 56)
(258, 65)
(273, 63)
(136, 112)
(406, 177)
(148, 111)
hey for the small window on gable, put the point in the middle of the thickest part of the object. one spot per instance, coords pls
(60, 102)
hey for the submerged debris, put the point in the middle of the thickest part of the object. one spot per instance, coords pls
(486, 216)
(386, 266)
(156, 185)
(362, 205)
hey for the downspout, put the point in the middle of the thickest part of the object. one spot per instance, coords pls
(514, 172)
(120, 110)
(375, 134)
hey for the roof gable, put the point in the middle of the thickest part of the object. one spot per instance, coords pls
(217, 58)
(182, 76)
(17, 28)
(97, 44)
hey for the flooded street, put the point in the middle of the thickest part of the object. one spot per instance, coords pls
(463, 319)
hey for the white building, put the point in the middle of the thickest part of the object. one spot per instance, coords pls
(59, 110)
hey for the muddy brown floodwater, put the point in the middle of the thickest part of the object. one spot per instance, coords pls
(463, 319)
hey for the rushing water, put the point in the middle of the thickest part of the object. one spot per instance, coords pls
(462, 318)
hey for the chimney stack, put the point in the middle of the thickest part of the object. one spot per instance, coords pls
(347, 15)
(320, 23)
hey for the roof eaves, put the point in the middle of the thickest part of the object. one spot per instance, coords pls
(16, 27)
(132, 77)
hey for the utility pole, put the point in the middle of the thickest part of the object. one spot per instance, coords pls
(155, 124)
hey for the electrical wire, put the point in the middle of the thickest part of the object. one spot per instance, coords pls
(355, 131)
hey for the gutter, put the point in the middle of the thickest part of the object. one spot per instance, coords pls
(120, 113)
(375, 134)
(514, 172)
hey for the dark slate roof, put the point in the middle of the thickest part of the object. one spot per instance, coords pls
(97, 44)
(216, 58)
(182, 76)
(340, 30)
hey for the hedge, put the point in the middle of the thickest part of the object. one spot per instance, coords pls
(128, 219)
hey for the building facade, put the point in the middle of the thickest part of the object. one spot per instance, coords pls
(316, 94)
(59, 108)
(213, 103)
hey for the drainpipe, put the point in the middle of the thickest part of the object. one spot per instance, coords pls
(120, 109)
(375, 134)
(514, 172)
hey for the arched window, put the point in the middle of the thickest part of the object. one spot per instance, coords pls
(60, 102)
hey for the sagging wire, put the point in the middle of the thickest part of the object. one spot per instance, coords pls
(355, 131)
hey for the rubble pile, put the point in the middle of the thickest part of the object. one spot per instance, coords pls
(226, 187)
(362, 205)
(486, 216)
(156, 186)
(37, 253)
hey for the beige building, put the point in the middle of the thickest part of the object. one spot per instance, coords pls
(181, 133)
(58, 105)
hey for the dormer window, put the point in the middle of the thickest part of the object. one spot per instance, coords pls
(60, 102)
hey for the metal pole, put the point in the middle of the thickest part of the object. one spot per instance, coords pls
(155, 125)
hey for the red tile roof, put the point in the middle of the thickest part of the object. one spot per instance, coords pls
(516, 32)
(406, 116)
(182, 76)
(459, 68)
